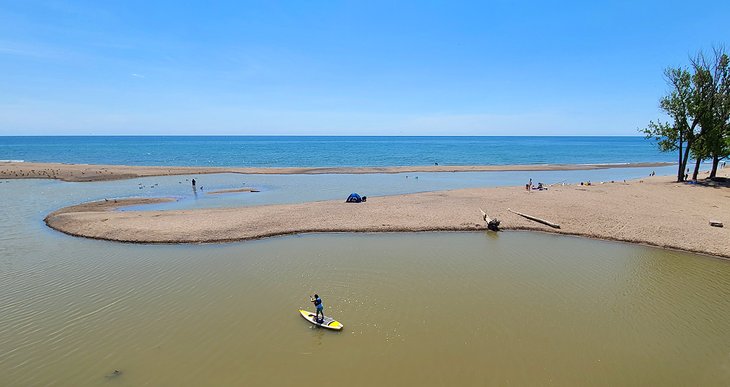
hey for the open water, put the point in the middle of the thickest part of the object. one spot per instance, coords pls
(278, 151)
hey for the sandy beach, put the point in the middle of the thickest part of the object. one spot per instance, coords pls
(653, 211)
(88, 172)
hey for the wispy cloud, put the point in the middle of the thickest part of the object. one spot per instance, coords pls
(137, 75)
(28, 50)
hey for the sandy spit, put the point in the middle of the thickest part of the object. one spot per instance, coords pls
(88, 172)
(652, 211)
(235, 190)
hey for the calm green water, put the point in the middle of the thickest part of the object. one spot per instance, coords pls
(431, 309)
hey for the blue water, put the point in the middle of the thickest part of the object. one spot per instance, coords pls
(263, 151)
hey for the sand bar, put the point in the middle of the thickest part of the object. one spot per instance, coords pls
(235, 190)
(653, 211)
(89, 172)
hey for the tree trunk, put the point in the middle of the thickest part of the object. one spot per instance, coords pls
(697, 168)
(684, 161)
(538, 220)
(715, 161)
(680, 169)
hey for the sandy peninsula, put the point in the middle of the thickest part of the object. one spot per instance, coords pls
(653, 211)
(88, 172)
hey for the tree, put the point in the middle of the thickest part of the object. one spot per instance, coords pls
(719, 137)
(714, 107)
(681, 106)
(702, 78)
(699, 105)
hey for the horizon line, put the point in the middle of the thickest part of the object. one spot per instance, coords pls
(312, 135)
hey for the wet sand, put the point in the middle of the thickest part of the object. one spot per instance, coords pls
(88, 172)
(654, 211)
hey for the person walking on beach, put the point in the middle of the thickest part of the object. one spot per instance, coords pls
(320, 308)
(193, 183)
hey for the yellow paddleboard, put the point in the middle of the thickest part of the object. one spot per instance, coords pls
(328, 322)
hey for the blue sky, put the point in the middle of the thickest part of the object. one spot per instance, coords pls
(340, 68)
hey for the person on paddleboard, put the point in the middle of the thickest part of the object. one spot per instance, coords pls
(320, 308)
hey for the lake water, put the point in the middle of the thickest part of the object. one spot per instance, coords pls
(419, 308)
(327, 151)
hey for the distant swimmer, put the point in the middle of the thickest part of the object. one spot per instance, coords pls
(320, 308)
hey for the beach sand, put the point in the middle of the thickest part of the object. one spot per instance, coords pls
(653, 211)
(88, 172)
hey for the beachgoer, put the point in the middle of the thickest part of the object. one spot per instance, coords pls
(193, 183)
(320, 308)
(529, 186)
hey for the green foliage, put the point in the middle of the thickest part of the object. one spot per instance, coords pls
(698, 104)
(665, 135)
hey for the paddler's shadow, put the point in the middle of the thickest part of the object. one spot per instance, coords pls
(318, 335)
(113, 375)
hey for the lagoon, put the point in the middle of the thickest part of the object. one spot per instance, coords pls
(428, 308)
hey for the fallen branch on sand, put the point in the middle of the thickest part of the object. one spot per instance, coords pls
(543, 221)
(492, 224)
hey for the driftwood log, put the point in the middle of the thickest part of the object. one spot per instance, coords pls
(492, 224)
(716, 223)
(536, 219)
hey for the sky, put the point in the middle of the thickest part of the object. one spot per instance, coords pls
(343, 67)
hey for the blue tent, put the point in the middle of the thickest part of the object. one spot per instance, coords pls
(353, 198)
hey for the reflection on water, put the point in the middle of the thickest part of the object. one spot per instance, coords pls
(426, 308)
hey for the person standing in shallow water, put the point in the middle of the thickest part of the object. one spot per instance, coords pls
(320, 308)
(193, 183)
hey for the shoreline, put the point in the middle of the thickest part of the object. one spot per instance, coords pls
(94, 172)
(652, 211)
